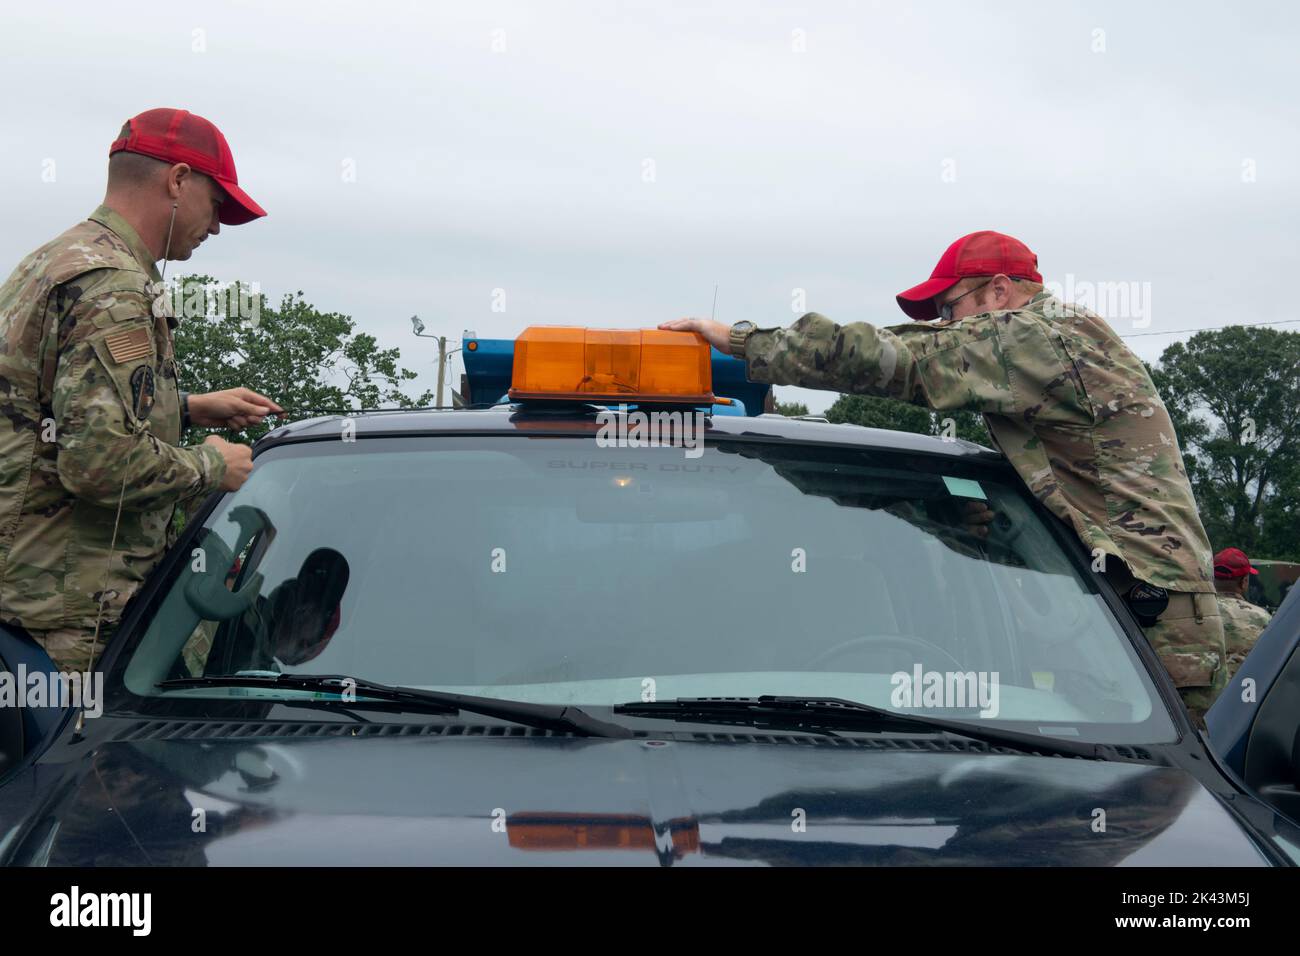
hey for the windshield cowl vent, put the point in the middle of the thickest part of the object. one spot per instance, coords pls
(244, 729)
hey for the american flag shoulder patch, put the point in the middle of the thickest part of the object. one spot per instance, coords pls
(129, 345)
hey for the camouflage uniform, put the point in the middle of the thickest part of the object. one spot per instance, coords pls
(1076, 413)
(86, 343)
(1242, 622)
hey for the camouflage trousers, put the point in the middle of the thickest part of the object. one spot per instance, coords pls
(70, 647)
(1189, 639)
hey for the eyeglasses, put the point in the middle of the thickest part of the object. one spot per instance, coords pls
(945, 310)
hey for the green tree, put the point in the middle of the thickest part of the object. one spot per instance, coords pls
(298, 356)
(1234, 396)
(1279, 533)
(791, 409)
(874, 412)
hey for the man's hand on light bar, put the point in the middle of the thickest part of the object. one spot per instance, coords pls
(715, 333)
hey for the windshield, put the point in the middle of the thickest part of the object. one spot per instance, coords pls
(553, 570)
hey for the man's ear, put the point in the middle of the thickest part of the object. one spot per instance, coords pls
(1000, 288)
(177, 176)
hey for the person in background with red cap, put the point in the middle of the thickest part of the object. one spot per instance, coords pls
(90, 464)
(1071, 407)
(1242, 620)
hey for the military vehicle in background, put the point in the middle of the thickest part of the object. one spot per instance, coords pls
(1270, 586)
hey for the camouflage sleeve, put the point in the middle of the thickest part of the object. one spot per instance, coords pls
(103, 446)
(967, 365)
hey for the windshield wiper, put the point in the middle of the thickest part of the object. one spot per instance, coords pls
(558, 717)
(836, 713)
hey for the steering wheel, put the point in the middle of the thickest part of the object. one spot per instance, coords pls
(919, 648)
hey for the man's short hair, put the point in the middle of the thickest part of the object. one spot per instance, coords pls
(132, 169)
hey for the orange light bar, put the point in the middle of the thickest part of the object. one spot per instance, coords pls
(612, 365)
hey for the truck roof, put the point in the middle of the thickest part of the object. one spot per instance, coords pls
(581, 419)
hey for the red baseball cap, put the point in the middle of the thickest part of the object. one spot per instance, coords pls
(178, 136)
(979, 254)
(1232, 563)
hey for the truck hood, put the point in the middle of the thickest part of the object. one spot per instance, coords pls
(487, 797)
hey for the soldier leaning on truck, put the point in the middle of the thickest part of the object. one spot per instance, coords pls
(1071, 407)
(1242, 621)
(88, 380)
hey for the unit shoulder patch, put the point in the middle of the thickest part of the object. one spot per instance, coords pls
(142, 391)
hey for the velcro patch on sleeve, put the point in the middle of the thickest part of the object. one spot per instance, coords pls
(129, 345)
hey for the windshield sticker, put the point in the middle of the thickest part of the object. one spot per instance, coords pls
(965, 488)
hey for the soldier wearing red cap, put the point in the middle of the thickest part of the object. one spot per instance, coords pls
(90, 464)
(1071, 407)
(1242, 620)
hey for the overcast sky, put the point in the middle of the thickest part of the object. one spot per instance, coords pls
(608, 164)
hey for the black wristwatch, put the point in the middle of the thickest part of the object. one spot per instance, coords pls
(185, 410)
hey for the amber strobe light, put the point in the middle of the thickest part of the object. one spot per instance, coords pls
(642, 366)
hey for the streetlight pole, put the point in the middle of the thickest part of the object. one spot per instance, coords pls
(442, 366)
(418, 328)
